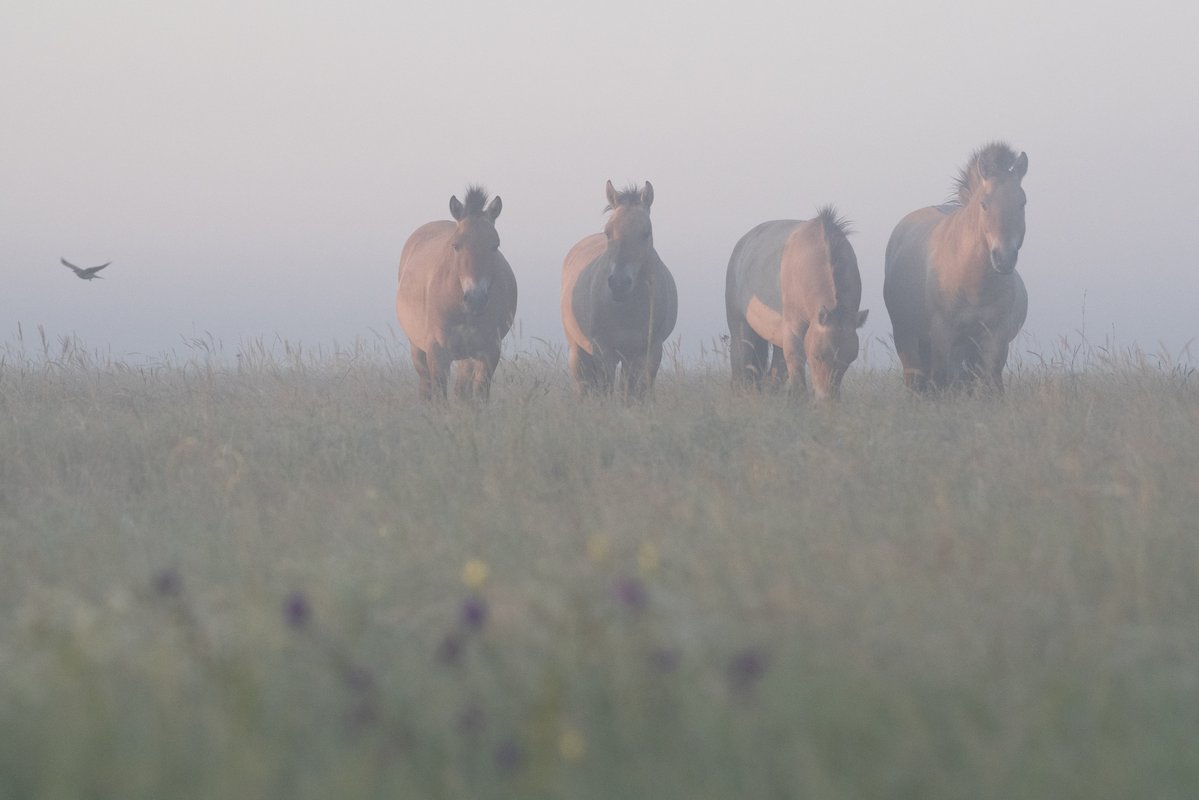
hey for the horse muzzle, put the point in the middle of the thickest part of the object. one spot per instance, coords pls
(474, 300)
(1004, 262)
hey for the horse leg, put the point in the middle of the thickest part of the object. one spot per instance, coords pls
(992, 365)
(438, 360)
(796, 359)
(420, 361)
(778, 372)
(484, 370)
(653, 363)
(631, 370)
(913, 355)
(464, 380)
(584, 371)
(746, 355)
(640, 372)
(941, 370)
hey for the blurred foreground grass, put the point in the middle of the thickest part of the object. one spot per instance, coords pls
(283, 577)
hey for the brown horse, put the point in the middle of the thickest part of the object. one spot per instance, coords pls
(951, 286)
(619, 301)
(795, 284)
(457, 297)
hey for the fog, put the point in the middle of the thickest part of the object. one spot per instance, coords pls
(253, 173)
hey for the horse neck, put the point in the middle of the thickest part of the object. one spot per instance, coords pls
(959, 238)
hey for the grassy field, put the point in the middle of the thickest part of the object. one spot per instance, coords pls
(278, 575)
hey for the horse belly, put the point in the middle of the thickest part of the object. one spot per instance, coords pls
(765, 321)
(466, 340)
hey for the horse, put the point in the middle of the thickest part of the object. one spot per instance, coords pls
(619, 301)
(457, 297)
(951, 287)
(794, 284)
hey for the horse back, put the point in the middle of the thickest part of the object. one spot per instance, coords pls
(906, 267)
(579, 272)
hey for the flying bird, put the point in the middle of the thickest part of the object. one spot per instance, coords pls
(88, 273)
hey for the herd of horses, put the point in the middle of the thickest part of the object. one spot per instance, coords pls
(951, 289)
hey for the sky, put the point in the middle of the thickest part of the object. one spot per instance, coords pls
(253, 170)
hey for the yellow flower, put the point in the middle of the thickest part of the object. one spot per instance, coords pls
(475, 572)
(647, 557)
(598, 547)
(571, 744)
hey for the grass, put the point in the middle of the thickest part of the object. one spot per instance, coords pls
(278, 575)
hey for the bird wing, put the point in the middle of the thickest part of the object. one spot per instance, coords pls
(66, 263)
(94, 270)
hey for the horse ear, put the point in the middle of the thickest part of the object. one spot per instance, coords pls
(1020, 168)
(610, 191)
(862, 316)
(647, 194)
(455, 208)
(824, 316)
(493, 208)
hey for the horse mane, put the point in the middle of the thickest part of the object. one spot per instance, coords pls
(835, 225)
(475, 199)
(628, 196)
(836, 238)
(990, 159)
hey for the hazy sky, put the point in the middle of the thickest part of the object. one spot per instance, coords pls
(255, 171)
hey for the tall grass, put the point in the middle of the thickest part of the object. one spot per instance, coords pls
(273, 573)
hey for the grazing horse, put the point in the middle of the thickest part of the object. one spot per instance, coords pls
(619, 301)
(795, 284)
(457, 297)
(951, 287)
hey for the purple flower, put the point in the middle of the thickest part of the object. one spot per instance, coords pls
(509, 756)
(474, 612)
(296, 610)
(168, 583)
(364, 714)
(664, 659)
(631, 594)
(745, 669)
(449, 652)
(358, 678)
(471, 719)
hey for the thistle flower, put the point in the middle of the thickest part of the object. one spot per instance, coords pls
(664, 659)
(362, 715)
(632, 594)
(471, 719)
(474, 612)
(449, 652)
(358, 678)
(509, 756)
(168, 583)
(296, 610)
(745, 669)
